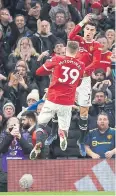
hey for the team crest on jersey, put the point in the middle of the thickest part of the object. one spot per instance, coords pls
(109, 137)
(91, 48)
(108, 57)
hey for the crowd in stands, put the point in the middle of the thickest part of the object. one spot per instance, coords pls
(31, 32)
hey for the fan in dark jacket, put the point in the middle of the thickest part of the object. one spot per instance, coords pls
(16, 90)
(13, 145)
(43, 39)
(101, 104)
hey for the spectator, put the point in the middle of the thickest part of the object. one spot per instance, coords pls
(32, 98)
(113, 64)
(39, 107)
(43, 39)
(10, 33)
(16, 90)
(100, 142)
(110, 34)
(101, 104)
(105, 62)
(26, 52)
(37, 12)
(8, 111)
(68, 8)
(29, 122)
(3, 100)
(103, 84)
(12, 146)
(4, 52)
(23, 70)
(109, 11)
(20, 22)
(98, 17)
(69, 27)
(58, 27)
(59, 45)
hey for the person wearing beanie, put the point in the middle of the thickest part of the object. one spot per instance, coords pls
(97, 8)
(99, 17)
(33, 97)
(8, 110)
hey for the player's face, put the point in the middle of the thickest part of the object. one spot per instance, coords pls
(89, 32)
(100, 98)
(104, 44)
(58, 48)
(25, 123)
(103, 122)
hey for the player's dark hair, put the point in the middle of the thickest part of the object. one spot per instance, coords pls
(73, 46)
(92, 24)
(30, 114)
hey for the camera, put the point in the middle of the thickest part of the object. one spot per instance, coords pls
(33, 5)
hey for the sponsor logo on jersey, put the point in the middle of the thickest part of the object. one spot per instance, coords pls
(91, 48)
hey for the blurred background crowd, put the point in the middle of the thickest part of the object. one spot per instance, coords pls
(30, 33)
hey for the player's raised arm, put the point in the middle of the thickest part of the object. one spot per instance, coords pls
(96, 59)
(73, 35)
(46, 68)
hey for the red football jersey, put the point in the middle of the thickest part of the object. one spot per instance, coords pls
(67, 73)
(105, 61)
(92, 50)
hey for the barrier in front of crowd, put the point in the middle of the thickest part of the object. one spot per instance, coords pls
(63, 175)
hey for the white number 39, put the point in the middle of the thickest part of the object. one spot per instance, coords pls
(69, 73)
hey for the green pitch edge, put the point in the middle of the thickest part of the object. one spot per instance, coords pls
(58, 193)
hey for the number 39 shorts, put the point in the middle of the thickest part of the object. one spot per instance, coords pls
(84, 92)
(49, 110)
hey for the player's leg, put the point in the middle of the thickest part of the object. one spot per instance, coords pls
(54, 130)
(83, 121)
(64, 119)
(46, 114)
(84, 101)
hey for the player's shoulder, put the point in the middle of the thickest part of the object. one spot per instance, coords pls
(109, 53)
(97, 45)
(56, 57)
